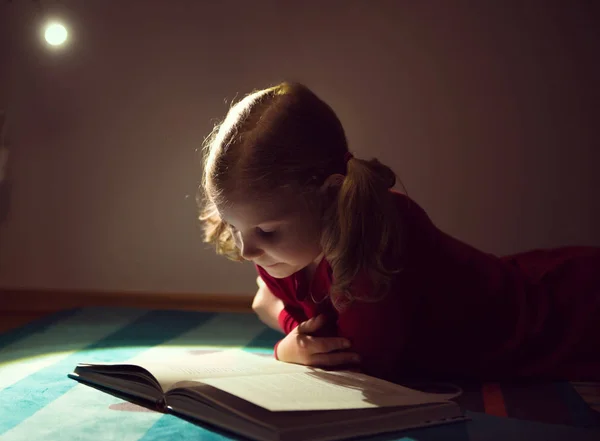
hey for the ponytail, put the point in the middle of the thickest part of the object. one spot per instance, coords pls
(362, 232)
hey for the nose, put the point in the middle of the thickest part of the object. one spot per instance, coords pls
(249, 250)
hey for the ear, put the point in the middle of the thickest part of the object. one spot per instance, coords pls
(330, 188)
(332, 183)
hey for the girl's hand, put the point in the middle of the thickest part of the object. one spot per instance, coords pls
(300, 347)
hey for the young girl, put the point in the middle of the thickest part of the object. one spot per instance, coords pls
(355, 273)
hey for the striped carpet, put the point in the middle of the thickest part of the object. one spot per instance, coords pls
(39, 402)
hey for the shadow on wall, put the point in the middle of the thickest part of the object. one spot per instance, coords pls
(5, 183)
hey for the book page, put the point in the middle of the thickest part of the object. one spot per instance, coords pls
(320, 390)
(198, 397)
(225, 364)
(276, 385)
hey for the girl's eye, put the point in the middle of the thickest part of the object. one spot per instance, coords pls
(265, 234)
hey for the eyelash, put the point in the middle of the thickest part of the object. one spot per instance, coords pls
(265, 234)
(259, 231)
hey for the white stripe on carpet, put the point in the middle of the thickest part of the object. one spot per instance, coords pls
(83, 413)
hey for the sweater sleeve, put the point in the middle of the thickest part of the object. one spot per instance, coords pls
(378, 332)
(292, 314)
(287, 321)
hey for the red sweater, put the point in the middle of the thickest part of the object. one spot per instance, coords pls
(457, 312)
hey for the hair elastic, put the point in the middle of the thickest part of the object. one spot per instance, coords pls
(348, 156)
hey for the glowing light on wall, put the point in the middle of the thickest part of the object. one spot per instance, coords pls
(55, 34)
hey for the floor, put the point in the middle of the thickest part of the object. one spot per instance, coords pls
(10, 320)
(590, 392)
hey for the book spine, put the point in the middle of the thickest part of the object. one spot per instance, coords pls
(161, 405)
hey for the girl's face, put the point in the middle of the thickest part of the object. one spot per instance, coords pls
(280, 233)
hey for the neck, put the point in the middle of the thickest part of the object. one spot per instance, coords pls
(309, 270)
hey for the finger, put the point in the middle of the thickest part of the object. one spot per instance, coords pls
(334, 359)
(320, 345)
(323, 345)
(312, 325)
(356, 369)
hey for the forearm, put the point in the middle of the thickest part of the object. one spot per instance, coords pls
(267, 306)
(270, 316)
(273, 312)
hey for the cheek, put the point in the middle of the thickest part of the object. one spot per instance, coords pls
(300, 245)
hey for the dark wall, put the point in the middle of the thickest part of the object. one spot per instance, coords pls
(487, 110)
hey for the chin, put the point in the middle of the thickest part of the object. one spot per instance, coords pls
(280, 271)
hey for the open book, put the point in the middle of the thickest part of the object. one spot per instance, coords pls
(264, 399)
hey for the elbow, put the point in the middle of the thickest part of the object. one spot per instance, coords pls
(260, 302)
(255, 305)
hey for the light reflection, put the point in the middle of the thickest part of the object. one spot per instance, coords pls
(55, 34)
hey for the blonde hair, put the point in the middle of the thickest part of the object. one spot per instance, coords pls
(285, 137)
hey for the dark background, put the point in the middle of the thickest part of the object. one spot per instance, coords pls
(487, 110)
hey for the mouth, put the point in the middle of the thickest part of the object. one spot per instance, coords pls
(271, 266)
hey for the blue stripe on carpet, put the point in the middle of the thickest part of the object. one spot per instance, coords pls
(581, 413)
(38, 325)
(265, 340)
(488, 427)
(176, 429)
(24, 398)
